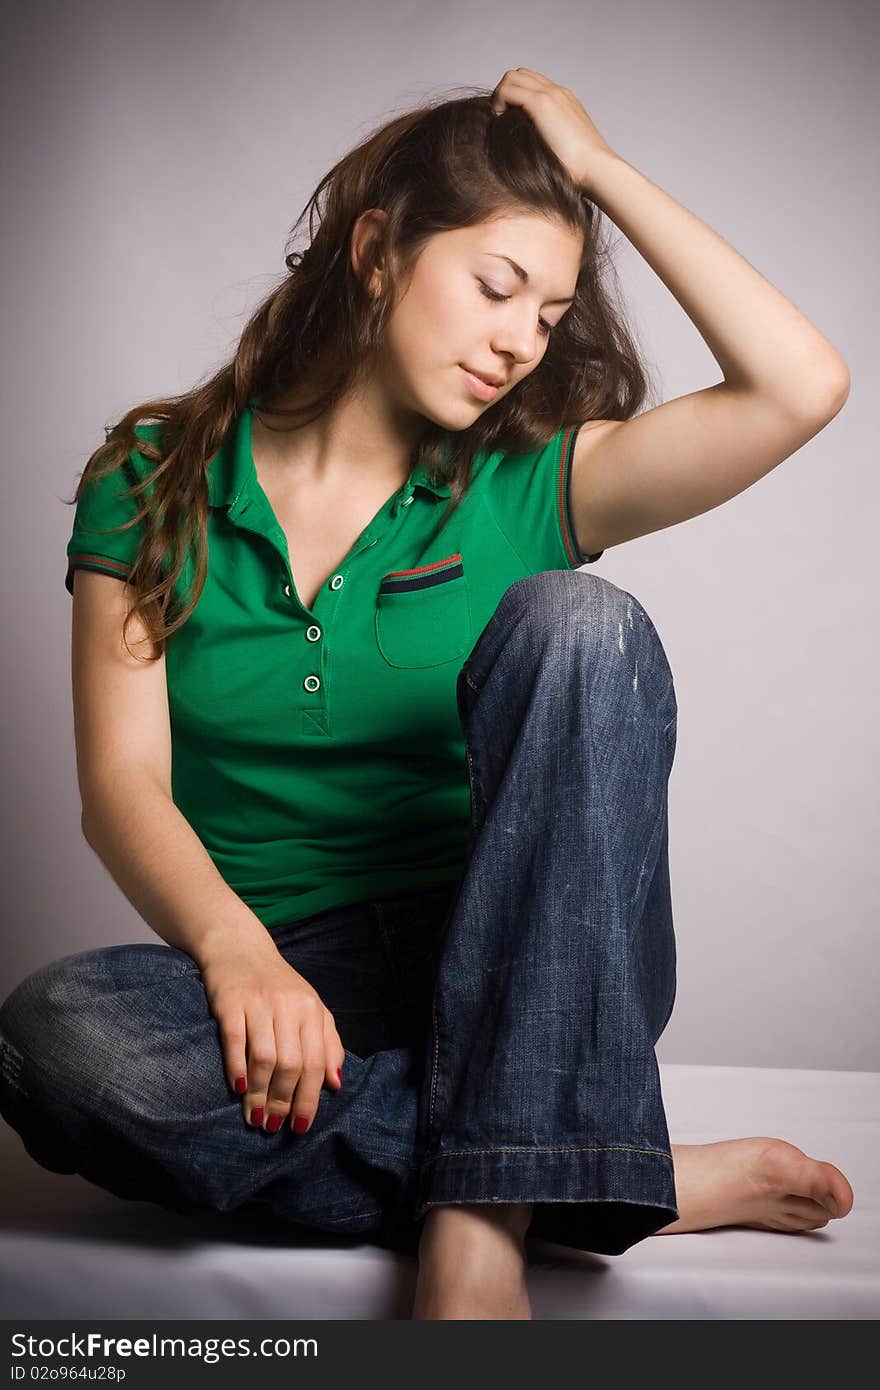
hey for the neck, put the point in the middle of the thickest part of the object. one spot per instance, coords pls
(361, 434)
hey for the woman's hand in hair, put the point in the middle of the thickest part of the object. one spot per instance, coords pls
(275, 1031)
(561, 121)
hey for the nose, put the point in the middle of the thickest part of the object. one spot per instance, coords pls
(518, 342)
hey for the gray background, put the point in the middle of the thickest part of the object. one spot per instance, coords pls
(155, 158)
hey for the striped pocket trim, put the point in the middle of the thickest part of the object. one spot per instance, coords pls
(423, 576)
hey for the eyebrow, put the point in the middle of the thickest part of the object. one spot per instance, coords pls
(524, 276)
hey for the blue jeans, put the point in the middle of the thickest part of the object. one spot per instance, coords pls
(499, 1033)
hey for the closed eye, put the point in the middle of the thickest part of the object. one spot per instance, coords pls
(493, 294)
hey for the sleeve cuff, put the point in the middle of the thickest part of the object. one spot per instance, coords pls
(569, 537)
(101, 564)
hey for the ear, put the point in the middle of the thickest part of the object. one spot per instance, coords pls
(367, 230)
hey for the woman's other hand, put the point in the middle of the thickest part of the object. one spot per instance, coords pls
(279, 1041)
(561, 120)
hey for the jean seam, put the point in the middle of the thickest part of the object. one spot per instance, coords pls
(434, 1061)
(550, 1149)
(354, 1216)
(553, 1199)
(476, 787)
(476, 790)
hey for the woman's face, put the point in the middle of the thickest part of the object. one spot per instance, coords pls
(447, 319)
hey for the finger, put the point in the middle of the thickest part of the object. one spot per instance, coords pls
(233, 1037)
(334, 1052)
(288, 1068)
(260, 1064)
(514, 83)
(308, 1091)
(497, 96)
(524, 78)
(524, 74)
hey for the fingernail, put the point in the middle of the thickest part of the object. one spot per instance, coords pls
(273, 1124)
(339, 1074)
(240, 1085)
(257, 1115)
(300, 1124)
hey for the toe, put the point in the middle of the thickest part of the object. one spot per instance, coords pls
(806, 1213)
(840, 1192)
(829, 1186)
(789, 1171)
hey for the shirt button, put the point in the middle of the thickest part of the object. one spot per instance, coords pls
(313, 633)
(311, 683)
(287, 590)
(406, 502)
(337, 581)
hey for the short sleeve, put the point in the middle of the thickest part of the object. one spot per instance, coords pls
(530, 495)
(102, 505)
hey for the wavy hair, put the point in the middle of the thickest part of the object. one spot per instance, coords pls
(448, 164)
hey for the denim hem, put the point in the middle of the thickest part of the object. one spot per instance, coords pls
(603, 1199)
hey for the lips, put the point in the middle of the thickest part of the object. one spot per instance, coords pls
(478, 387)
(489, 379)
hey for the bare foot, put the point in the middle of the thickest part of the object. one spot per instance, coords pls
(472, 1262)
(766, 1184)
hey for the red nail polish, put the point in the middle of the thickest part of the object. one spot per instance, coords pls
(240, 1085)
(339, 1074)
(257, 1116)
(273, 1124)
(300, 1124)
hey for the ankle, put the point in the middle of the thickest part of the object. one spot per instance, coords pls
(478, 1222)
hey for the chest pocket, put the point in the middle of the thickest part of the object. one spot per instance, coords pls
(423, 615)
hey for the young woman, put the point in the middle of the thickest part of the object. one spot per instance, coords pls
(390, 777)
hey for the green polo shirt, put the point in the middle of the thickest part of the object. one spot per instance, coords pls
(317, 753)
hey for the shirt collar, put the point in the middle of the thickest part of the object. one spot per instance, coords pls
(231, 469)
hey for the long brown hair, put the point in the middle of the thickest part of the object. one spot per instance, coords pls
(448, 164)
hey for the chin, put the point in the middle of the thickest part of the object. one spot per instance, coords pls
(462, 420)
(458, 416)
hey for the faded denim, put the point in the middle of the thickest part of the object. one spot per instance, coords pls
(499, 1033)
